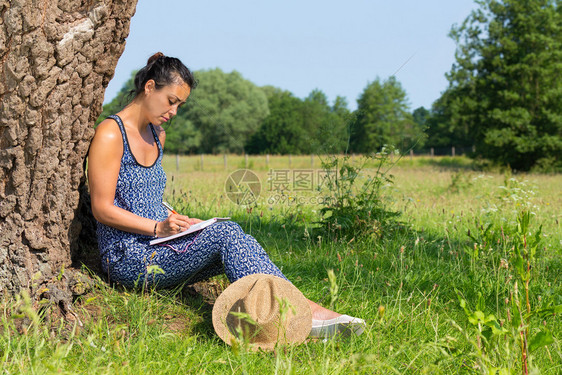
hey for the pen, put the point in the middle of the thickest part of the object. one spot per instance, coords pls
(170, 208)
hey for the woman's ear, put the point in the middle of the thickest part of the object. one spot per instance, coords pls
(149, 86)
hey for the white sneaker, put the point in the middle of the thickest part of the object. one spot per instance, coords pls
(344, 324)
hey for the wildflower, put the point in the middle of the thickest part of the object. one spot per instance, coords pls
(504, 264)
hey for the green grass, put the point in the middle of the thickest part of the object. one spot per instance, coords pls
(403, 284)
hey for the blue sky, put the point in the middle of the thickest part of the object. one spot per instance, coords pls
(335, 46)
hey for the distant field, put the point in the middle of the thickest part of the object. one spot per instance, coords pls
(407, 283)
(424, 188)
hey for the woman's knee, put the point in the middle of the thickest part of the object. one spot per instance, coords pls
(229, 226)
(223, 233)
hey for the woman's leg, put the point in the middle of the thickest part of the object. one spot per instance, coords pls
(239, 252)
(206, 273)
(239, 249)
(221, 247)
(224, 247)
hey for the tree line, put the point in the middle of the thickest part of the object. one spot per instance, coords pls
(227, 113)
(504, 101)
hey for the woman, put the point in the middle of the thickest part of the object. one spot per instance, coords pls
(127, 182)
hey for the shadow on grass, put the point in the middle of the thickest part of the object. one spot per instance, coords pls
(308, 253)
(450, 163)
(404, 261)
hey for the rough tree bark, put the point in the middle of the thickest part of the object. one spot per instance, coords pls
(56, 59)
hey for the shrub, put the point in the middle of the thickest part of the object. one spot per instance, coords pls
(355, 205)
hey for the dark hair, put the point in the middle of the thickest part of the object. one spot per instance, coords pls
(164, 71)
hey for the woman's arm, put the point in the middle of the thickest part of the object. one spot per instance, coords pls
(104, 162)
(162, 137)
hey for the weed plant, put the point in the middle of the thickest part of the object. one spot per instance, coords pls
(355, 202)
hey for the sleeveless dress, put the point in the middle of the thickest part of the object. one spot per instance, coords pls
(129, 259)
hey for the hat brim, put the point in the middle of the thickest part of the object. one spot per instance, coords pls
(296, 328)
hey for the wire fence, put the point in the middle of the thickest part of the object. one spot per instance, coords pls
(230, 162)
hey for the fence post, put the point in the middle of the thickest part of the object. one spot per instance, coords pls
(225, 164)
(267, 161)
(431, 152)
(411, 154)
(453, 151)
(246, 161)
(201, 162)
(177, 162)
(289, 161)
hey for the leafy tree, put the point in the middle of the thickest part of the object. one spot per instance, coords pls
(296, 126)
(442, 131)
(270, 91)
(325, 125)
(420, 116)
(182, 137)
(283, 131)
(340, 108)
(225, 109)
(383, 118)
(505, 86)
(337, 138)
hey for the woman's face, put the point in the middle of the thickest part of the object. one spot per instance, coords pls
(162, 104)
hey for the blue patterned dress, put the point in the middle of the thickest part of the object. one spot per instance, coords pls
(127, 257)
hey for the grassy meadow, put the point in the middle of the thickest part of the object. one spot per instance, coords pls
(439, 290)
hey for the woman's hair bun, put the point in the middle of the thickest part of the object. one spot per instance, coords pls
(154, 57)
(164, 70)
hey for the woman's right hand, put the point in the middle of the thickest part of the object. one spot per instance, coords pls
(174, 224)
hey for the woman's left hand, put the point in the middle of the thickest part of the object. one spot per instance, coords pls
(193, 221)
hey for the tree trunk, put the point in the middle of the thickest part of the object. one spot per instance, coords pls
(56, 59)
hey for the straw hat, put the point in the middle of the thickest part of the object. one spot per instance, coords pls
(259, 298)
